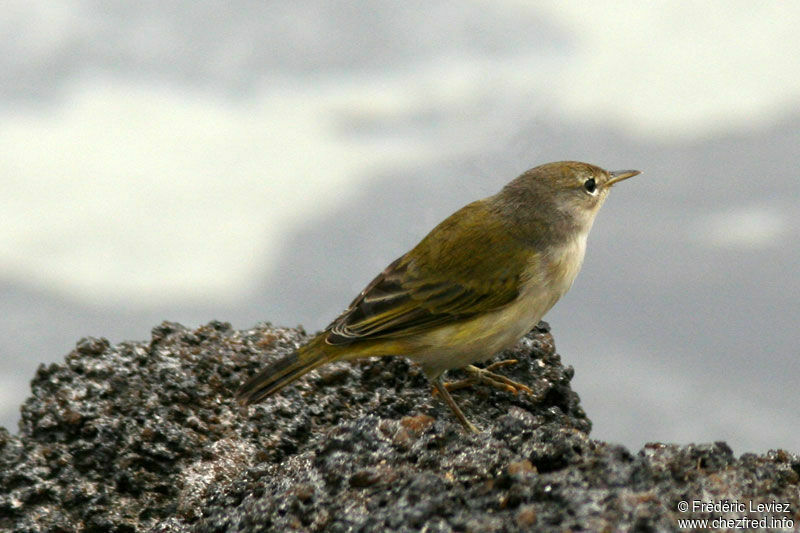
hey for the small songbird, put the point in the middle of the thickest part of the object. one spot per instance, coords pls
(472, 287)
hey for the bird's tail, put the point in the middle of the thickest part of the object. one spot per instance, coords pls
(284, 371)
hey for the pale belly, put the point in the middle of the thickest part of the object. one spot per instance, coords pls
(461, 344)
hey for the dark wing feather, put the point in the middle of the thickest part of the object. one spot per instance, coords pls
(441, 281)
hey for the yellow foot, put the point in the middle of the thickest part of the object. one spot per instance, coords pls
(485, 375)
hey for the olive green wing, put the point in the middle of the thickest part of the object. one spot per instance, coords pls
(466, 266)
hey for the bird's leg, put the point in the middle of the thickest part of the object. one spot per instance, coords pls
(442, 390)
(485, 375)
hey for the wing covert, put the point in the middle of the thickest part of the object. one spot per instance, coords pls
(441, 280)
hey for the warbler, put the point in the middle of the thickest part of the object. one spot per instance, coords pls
(475, 285)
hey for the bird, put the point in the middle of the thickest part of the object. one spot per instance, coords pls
(473, 286)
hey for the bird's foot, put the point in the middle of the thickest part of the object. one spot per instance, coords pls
(442, 390)
(485, 375)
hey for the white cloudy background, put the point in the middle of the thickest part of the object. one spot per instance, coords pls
(251, 161)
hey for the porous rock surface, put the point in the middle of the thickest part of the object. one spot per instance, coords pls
(148, 437)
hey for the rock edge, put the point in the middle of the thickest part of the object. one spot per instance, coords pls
(147, 437)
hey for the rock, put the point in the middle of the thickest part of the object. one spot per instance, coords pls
(148, 437)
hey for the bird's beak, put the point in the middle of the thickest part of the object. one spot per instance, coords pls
(619, 175)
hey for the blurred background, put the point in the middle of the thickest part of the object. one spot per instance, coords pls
(262, 161)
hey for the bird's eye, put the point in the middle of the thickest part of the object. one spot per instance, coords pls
(590, 186)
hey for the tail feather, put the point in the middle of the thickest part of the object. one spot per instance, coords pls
(281, 373)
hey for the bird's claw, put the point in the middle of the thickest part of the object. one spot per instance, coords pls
(485, 375)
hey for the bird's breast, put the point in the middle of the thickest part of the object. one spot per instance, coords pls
(560, 265)
(547, 277)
